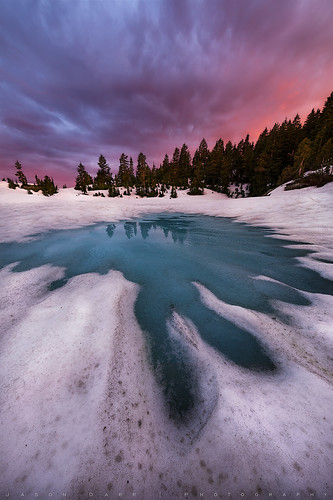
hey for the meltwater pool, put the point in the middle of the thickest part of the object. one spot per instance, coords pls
(165, 254)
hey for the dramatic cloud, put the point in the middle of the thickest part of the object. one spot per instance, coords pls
(85, 77)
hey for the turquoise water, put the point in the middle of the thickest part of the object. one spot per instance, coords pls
(165, 254)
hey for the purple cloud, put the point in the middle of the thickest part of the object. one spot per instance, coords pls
(86, 77)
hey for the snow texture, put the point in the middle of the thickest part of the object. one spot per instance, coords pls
(81, 412)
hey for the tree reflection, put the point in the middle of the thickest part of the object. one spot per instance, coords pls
(179, 232)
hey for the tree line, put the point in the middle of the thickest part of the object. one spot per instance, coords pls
(281, 154)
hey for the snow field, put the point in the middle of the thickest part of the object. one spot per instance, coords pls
(80, 409)
(54, 377)
(269, 432)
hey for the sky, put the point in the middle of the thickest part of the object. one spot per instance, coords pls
(80, 78)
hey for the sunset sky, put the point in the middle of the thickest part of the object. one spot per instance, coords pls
(80, 78)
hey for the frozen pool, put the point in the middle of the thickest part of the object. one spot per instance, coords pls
(166, 255)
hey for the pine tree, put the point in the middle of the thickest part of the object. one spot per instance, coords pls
(311, 125)
(124, 177)
(153, 182)
(303, 156)
(184, 168)
(11, 184)
(287, 174)
(165, 171)
(113, 191)
(142, 174)
(267, 161)
(173, 192)
(83, 179)
(247, 160)
(200, 161)
(326, 120)
(213, 170)
(260, 183)
(20, 175)
(174, 168)
(103, 179)
(46, 185)
(275, 153)
(326, 154)
(226, 167)
(325, 130)
(131, 172)
(259, 180)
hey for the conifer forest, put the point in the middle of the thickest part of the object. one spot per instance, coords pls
(284, 153)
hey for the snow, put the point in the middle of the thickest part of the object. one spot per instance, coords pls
(81, 413)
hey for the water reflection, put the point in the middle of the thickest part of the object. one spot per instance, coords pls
(130, 229)
(178, 232)
(110, 229)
